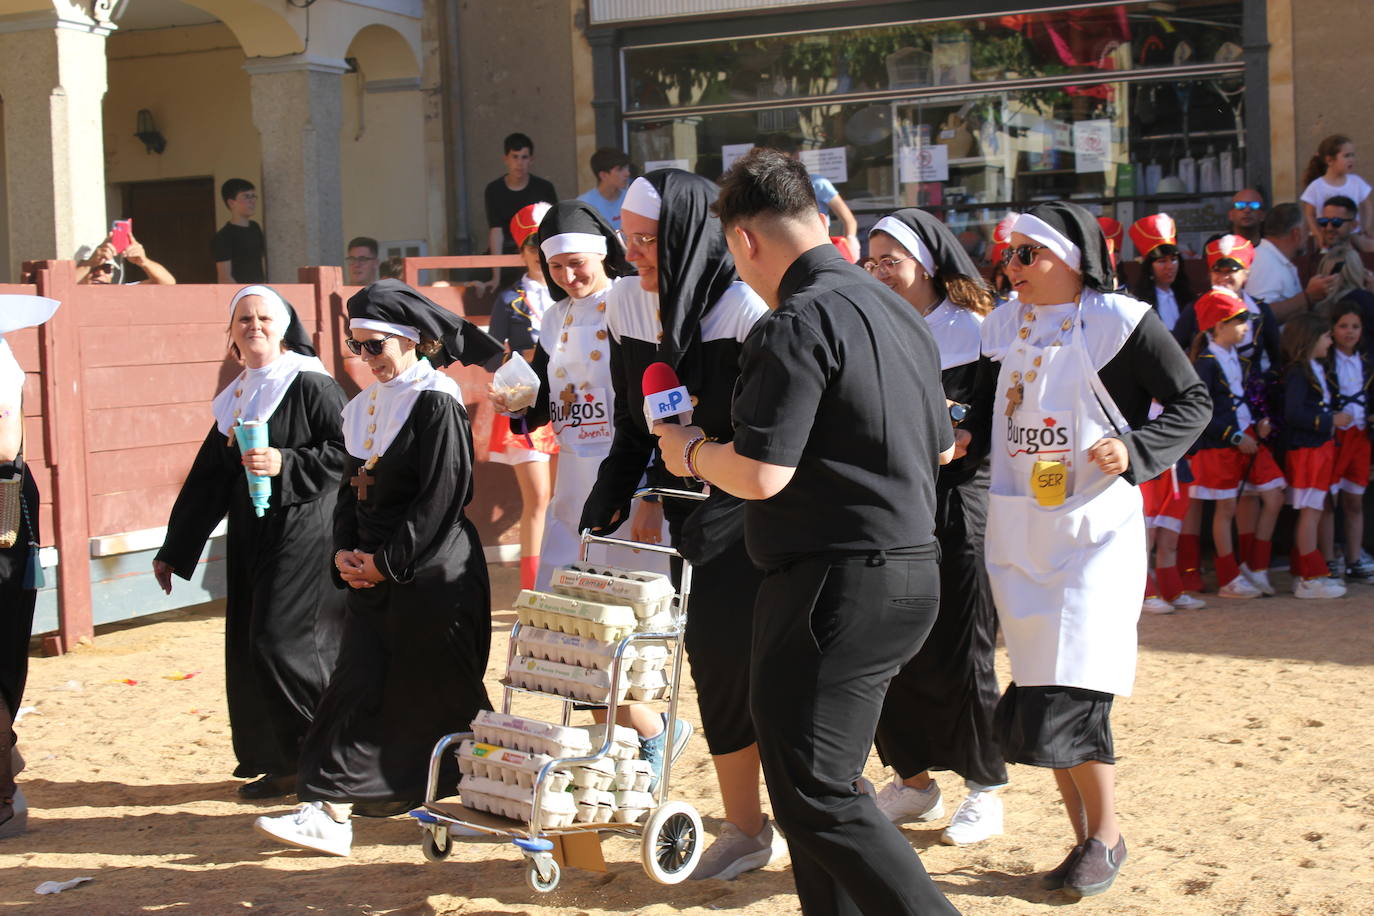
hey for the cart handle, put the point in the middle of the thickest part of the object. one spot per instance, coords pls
(670, 493)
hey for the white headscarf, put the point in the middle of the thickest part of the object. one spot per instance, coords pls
(256, 393)
(373, 418)
(643, 198)
(1035, 228)
(908, 239)
(18, 312)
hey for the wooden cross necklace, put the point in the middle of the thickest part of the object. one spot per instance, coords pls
(362, 480)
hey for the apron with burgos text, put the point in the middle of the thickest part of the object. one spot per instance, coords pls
(1065, 542)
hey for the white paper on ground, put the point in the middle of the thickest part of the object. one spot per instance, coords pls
(57, 887)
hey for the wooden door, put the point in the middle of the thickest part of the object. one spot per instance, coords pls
(174, 220)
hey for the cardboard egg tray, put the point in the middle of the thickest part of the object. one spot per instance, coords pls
(630, 807)
(649, 594)
(512, 767)
(599, 775)
(633, 776)
(576, 616)
(594, 806)
(570, 649)
(558, 809)
(624, 741)
(530, 735)
(566, 680)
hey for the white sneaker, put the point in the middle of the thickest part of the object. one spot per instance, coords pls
(1187, 602)
(1259, 580)
(1155, 605)
(903, 804)
(978, 817)
(1318, 588)
(309, 828)
(1239, 587)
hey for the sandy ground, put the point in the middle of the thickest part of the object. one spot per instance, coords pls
(1247, 760)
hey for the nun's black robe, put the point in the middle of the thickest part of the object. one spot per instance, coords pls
(939, 708)
(414, 646)
(281, 619)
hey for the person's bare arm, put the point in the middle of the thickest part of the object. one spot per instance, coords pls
(841, 212)
(1309, 219)
(103, 252)
(224, 272)
(11, 426)
(157, 274)
(495, 240)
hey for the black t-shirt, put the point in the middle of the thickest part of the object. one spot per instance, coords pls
(503, 204)
(243, 247)
(842, 382)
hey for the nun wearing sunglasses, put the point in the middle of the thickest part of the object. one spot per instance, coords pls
(1065, 550)
(281, 617)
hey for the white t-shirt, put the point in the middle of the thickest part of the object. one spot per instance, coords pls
(1273, 278)
(1350, 375)
(1320, 190)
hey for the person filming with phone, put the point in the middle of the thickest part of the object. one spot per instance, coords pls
(106, 264)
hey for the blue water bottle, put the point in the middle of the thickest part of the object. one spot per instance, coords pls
(253, 434)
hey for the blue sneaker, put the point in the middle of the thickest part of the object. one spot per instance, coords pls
(651, 749)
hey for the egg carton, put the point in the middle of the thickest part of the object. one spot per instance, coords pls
(577, 616)
(649, 657)
(557, 809)
(624, 741)
(633, 776)
(571, 649)
(631, 806)
(530, 735)
(649, 594)
(511, 767)
(594, 806)
(599, 774)
(647, 685)
(563, 680)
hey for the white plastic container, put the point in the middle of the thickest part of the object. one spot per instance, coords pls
(649, 594)
(606, 622)
(530, 735)
(571, 649)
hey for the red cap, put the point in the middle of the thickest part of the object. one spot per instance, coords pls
(526, 222)
(1215, 306)
(1001, 237)
(1111, 229)
(1149, 233)
(1232, 248)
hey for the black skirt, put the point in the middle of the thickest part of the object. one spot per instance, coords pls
(1057, 727)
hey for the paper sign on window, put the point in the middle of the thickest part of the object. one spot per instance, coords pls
(732, 151)
(1092, 146)
(923, 163)
(828, 163)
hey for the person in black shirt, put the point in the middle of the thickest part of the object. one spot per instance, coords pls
(840, 425)
(239, 248)
(507, 196)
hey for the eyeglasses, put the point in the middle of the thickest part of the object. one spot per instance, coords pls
(884, 265)
(373, 347)
(1247, 204)
(1024, 253)
(643, 240)
(1335, 222)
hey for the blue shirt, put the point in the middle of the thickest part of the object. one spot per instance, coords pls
(609, 209)
(825, 192)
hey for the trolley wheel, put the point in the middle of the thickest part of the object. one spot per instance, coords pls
(672, 842)
(434, 848)
(537, 882)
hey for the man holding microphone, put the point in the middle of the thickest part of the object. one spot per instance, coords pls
(839, 426)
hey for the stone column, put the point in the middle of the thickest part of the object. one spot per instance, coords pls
(52, 81)
(298, 110)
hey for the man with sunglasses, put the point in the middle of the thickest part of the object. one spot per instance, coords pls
(1246, 214)
(1274, 275)
(1338, 219)
(104, 266)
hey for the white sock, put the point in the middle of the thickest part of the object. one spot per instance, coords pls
(339, 812)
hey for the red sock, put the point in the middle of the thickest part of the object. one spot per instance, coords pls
(529, 571)
(1170, 583)
(1259, 554)
(1313, 565)
(1227, 570)
(1245, 542)
(1190, 561)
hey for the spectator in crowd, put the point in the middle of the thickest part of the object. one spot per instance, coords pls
(1274, 276)
(392, 268)
(507, 196)
(612, 170)
(362, 261)
(1331, 173)
(1246, 215)
(239, 247)
(1337, 220)
(103, 266)
(828, 199)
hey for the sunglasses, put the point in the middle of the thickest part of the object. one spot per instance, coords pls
(1335, 222)
(373, 347)
(1247, 204)
(1024, 253)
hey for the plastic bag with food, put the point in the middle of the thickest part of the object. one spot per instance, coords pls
(516, 383)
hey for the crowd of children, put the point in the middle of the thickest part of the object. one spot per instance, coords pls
(1290, 421)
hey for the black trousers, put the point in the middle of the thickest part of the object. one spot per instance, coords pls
(830, 632)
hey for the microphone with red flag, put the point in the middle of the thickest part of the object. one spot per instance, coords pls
(665, 398)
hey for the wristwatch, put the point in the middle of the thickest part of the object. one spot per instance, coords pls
(1238, 438)
(957, 412)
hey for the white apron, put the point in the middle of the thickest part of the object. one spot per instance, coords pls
(1066, 579)
(581, 410)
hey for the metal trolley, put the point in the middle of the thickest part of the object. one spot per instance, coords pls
(671, 835)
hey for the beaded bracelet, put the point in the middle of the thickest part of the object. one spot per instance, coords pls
(690, 454)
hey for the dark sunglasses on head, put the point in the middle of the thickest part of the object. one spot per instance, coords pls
(1023, 253)
(373, 347)
(1247, 204)
(1335, 222)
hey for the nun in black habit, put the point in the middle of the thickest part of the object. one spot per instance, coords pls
(418, 623)
(689, 309)
(281, 618)
(939, 708)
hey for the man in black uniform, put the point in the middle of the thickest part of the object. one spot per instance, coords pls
(840, 425)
